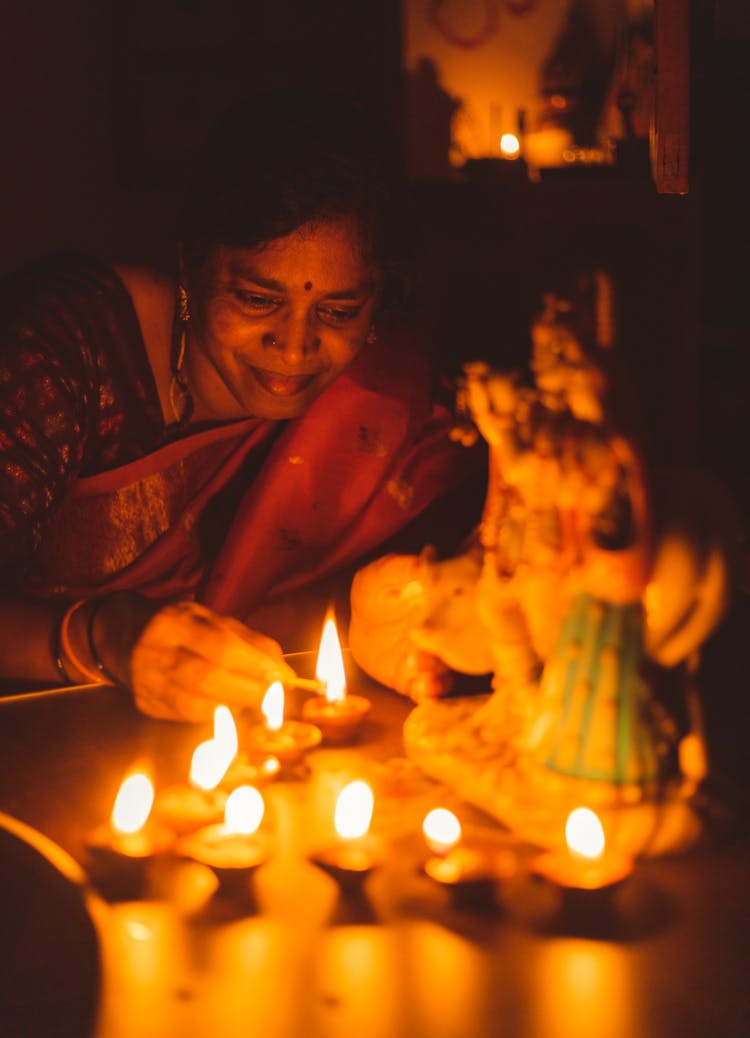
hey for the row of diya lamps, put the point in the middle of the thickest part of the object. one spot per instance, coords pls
(215, 818)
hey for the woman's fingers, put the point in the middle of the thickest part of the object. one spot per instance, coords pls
(181, 670)
(221, 640)
(188, 659)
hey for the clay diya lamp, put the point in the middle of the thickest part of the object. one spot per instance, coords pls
(123, 848)
(355, 852)
(251, 768)
(188, 806)
(288, 741)
(232, 849)
(337, 714)
(586, 873)
(469, 869)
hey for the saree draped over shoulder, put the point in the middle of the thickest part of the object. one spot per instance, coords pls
(306, 497)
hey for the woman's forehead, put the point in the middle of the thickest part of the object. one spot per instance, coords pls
(324, 256)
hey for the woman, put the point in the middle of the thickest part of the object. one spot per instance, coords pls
(180, 457)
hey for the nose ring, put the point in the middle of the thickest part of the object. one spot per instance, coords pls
(268, 340)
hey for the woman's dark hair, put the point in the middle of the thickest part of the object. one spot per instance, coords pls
(279, 160)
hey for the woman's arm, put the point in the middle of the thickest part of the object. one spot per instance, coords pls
(180, 660)
(27, 634)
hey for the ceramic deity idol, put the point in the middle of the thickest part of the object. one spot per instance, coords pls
(580, 604)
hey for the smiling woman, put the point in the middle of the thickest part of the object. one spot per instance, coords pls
(288, 253)
(180, 454)
(262, 341)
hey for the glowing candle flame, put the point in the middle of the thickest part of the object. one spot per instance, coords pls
(330, 664)
(584, 833)
(208, 765)
(441, 829)
(225, 732)
(354, 808)
(244, 810)
(510, 146)
(272, 706)
(133, 803)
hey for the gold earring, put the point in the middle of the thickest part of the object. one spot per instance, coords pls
(180, 397)
(184, 303)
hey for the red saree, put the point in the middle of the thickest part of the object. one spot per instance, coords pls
(369, 455)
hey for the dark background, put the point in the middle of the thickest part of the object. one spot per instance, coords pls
(103, 103)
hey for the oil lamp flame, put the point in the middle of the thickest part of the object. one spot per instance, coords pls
(244, 810)
(510, 146)
(584, 833)
(208, 765)
(225, 732)
(354, 808)
(133, 803)
(441, 829)
(330, 665)
(272, 706)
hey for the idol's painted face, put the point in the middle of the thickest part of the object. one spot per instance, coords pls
(273, 326)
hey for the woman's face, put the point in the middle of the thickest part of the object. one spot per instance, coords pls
(273, 326)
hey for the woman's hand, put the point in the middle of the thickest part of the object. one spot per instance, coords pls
(189, 659)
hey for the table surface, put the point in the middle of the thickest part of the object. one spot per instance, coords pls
(295, 956)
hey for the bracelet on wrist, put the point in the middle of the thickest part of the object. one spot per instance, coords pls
(104, 673)
(57, 654)
(66, 646)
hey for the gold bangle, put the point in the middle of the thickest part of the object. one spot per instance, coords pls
(57, 655)
(67, 649)
(105, 675)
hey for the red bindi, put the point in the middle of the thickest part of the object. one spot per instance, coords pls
(308, 286)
